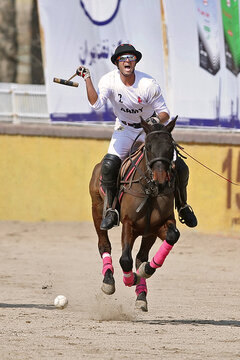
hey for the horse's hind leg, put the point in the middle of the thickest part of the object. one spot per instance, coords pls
(142, 256)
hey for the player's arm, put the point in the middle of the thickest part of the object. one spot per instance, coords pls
(91, 92)
(96, 99)
(163, 117)
(157, 101)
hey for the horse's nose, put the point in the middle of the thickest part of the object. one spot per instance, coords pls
(159, 173)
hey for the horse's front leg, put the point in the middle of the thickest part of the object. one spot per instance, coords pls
(104, 247)
(142, 256)
(172, 235)
(126, 260)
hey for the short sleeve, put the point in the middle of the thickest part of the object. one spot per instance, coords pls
(155, 98)
(104, 91)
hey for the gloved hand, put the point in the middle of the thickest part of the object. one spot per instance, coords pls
(83, 72)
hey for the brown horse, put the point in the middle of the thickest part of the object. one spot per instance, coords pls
(147, 184)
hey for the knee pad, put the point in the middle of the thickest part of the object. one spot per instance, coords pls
(172, 235)
(110, 167)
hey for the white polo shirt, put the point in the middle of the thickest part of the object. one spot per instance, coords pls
(130, 102)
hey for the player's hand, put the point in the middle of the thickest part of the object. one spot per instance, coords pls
(83, 72)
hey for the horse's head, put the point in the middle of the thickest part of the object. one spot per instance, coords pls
(159, 147)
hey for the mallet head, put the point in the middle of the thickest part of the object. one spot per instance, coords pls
(65, 82)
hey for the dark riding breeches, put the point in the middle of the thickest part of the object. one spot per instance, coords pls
(181, 183)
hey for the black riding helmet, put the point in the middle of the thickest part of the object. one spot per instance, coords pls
(125, 49)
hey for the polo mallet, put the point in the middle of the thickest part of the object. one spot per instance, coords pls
(67, 82)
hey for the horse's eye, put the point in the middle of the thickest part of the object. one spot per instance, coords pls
(148, 147)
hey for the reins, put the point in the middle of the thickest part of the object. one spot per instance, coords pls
(199, 162)
(176, 145)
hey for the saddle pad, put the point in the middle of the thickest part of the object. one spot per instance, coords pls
(128, 167)
(130, 163)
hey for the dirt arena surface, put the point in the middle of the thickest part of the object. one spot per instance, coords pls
(193, 300)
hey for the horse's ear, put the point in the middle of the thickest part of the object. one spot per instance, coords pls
(170, 126)
(146, 127)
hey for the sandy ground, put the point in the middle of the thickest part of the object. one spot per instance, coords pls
(193, 300)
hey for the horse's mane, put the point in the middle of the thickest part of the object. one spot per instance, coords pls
(155, 125)
(158, 126)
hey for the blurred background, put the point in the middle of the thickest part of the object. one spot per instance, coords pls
(20, 46)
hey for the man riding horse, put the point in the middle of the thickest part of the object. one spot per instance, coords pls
(132, 94)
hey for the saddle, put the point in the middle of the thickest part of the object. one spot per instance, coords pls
(128, 169)
(131, 163)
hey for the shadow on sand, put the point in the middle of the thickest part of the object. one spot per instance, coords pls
(192, 322)
(28, 306)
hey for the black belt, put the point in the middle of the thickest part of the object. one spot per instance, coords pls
(134, 125)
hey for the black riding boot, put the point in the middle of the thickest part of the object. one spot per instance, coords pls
(185, 212)
(110, 169)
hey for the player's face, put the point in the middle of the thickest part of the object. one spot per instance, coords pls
(126, 64)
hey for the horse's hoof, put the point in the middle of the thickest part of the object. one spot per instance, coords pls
(108, 289)
(141, 302)
(141, 305)
(108, 285)
(145, 270)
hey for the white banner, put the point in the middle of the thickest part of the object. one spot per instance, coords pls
(78, 32)
(184, 47)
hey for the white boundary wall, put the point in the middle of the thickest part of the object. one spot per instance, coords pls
(22, 103)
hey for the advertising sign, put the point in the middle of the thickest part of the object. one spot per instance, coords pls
(231, 26)
(208, 36)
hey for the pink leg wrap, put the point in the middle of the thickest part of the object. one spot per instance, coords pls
(107, 263)
(161, 255)
(142, 286)
(128, 278)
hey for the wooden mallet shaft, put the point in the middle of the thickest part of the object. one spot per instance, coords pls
(72, 77)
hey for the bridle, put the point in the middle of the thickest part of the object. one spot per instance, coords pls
(150, 163)
(149, 186)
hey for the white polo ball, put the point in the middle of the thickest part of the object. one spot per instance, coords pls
(60, 301)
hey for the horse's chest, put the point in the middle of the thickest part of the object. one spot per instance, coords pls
(161, 208)
(155, 211)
